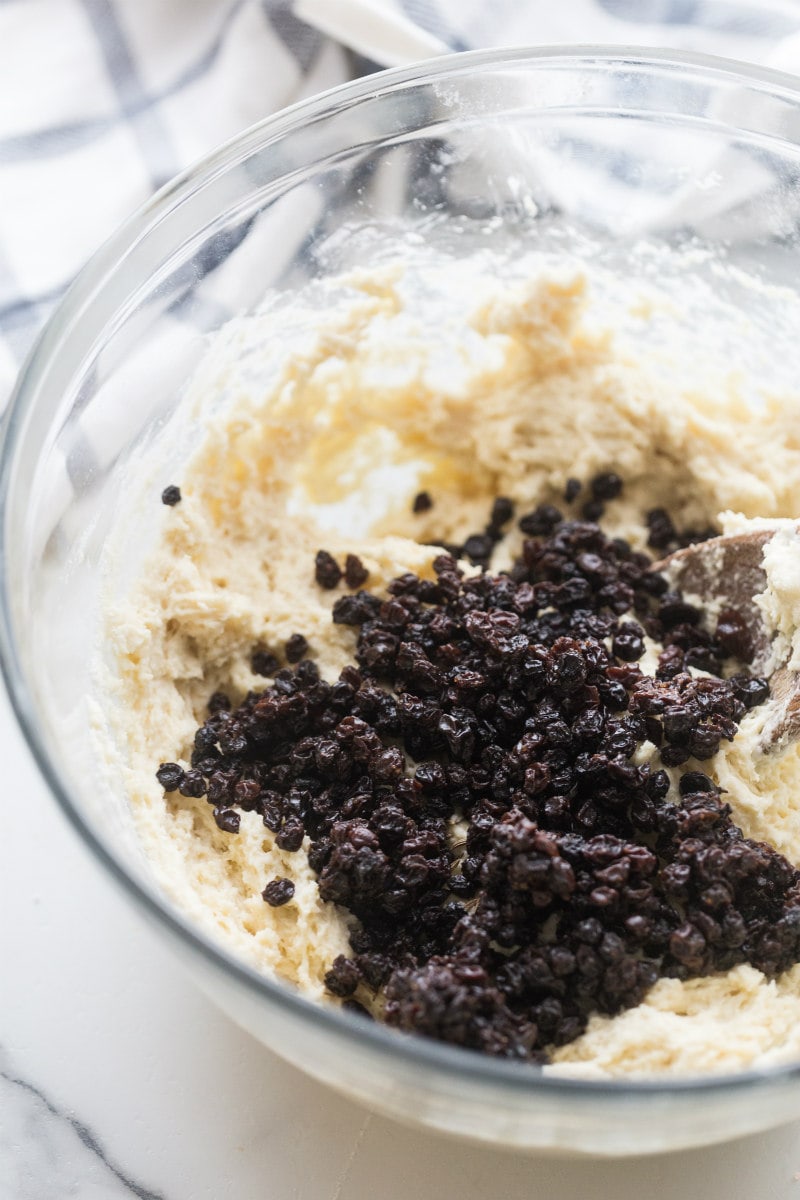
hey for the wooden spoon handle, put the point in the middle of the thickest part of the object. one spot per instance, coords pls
(727, 572)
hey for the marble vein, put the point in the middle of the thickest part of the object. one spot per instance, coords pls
(351, 1158)
(47, 1153)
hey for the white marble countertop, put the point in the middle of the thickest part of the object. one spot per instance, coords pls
(118, 1079)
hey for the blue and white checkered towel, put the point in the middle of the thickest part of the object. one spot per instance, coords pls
(102, 101)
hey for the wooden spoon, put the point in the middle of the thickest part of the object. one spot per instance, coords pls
(730, 570)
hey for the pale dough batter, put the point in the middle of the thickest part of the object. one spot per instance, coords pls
(394, 388)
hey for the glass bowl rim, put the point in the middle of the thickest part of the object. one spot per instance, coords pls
(406, 1050)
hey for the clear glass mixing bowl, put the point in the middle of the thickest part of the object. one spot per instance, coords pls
(604, 147)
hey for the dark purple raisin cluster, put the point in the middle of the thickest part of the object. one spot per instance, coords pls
(478, 548)
(515, 704)
(328, 574)
(663, 537)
